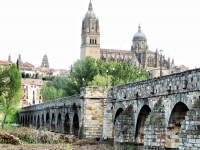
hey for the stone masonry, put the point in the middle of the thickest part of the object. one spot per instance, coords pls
(159, 113)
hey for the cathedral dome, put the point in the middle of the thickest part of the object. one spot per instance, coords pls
(139, 35)
(90, 13)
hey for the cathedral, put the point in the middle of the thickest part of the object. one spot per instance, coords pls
(139, 54)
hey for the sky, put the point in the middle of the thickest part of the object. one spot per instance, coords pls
(34, 28)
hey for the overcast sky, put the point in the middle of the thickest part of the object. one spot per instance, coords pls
(53, 27)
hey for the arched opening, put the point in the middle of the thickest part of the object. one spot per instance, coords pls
(75, 126)
(119, 111)
(42, 121)
(139, 132)
(38, 122)
(67, 124)
(176, 119)
(142, 45)
(34, 121)
(21, 119)
(59, 124)
(28, 120)
(53, 123)
(47, 122)
(25, 121)
(31, 121)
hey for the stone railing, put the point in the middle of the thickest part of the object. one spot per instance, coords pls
(54, 103)
(182, 82)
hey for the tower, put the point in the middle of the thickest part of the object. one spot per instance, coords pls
(90, 36)
(20, 60)
(139, 47)
(45, 62)
(9, 58)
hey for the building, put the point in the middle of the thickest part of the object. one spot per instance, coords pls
(138, 55)
(31, 92)
(4, 63)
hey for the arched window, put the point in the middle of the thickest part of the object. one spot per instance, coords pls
(150, 60)
(142, 46)
(95, 41)
(90, 41)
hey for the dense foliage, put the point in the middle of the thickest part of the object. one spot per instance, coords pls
(91, 72)
(10, 90)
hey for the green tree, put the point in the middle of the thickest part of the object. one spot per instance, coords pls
(82, 72)
(51, 93)
(89, 71)
(100, 81)
(10, 94)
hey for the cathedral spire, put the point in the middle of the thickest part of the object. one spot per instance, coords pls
(90, 6)
(9, 57)
(139, 28)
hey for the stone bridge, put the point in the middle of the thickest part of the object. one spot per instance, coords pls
(160, 113)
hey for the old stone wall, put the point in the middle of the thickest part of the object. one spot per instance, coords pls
(175, 93)
(160, 116)
(189, 137)
(94, 98)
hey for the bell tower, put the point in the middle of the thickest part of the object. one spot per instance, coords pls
(90, 35)
(139, 47)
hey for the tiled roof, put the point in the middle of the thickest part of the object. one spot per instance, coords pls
(115, 51)
(27, 65)
(32, 82)
(183, 67)
(5, 62)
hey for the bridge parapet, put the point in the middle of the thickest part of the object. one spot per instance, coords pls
(93, 92)
(53, 103)
(171, 84)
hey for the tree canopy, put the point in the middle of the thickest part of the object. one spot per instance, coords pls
(92, 72)
(10, 91)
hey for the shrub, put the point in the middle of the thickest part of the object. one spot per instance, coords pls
(30, 135)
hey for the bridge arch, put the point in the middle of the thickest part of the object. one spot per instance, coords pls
(59, 123)
(140, 104)
(67, 124)
(23, 120)
(176, 119)
(75, 126)
(53, 122)
(178, 98)
(42, 121)
(31, 119)
(38, 122)
(47, 121)
(139, 126)
(120, 107)
(34, 122)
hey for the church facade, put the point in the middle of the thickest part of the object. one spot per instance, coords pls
(138, 55)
